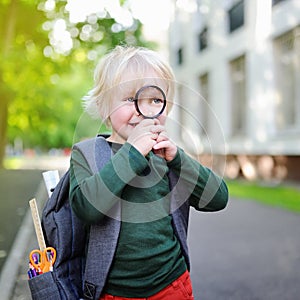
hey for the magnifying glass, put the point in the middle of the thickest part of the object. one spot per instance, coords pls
(150, 101)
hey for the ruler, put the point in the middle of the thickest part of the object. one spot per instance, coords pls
(37, 224)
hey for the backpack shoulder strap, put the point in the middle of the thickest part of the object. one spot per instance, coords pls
(96, 151)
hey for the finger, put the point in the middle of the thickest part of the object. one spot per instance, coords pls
(159, 152)
(146, 122)
(154, 136)
(156, 121)
(157, 129)
(161, 145)
(162, 137)
(142, 135)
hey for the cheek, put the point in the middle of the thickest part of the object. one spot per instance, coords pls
(163, 117)
(121, 112)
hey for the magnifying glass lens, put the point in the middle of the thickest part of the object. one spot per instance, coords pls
(150, 101)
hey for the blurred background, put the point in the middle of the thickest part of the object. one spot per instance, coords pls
(237, 107)
(243, 57)
(49, 50)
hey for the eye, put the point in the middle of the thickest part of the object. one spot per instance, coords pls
(130, 99)
(157, 101)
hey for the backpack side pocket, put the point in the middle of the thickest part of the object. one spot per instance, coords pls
(44, 287)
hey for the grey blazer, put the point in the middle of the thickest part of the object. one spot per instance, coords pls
(104, 236)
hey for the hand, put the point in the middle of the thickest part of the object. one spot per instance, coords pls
(164, 147)
(143, 136)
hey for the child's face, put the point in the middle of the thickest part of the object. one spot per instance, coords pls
(123, 116)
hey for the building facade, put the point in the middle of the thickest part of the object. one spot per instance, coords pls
(237, 64)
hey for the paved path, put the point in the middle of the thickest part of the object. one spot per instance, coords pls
(17, 187)
(247, 252)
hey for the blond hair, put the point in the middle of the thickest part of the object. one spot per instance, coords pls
(110, 69)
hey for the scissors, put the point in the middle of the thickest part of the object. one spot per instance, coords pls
(43, 261)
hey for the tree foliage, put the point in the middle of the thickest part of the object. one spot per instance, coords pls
(46, 67)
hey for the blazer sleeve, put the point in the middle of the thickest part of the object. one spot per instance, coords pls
(93, 195)
(207, 191)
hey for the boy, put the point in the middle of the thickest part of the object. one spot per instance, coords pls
(140, 199)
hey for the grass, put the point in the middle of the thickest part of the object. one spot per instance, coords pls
(280, 196)
(12, 163)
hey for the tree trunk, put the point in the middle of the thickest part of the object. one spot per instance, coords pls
(7, 41)
(3, 127)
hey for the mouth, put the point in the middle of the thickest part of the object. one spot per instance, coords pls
(133, 124)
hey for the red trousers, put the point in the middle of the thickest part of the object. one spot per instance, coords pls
(180, 289)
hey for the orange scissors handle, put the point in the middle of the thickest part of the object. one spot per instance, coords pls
(43, 261)
(48, 259)
(35, 258)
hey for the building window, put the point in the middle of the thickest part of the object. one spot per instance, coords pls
(238, 95)
(202, 39)
(236, 16)
(274, 2)
(180, 56)
(287, 74)
(204, 104)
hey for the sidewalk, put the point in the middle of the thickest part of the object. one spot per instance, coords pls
(25, 242)
(247, 252)
(13, 277)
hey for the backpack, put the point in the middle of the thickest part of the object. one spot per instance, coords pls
(67, 234)
(75, 260)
